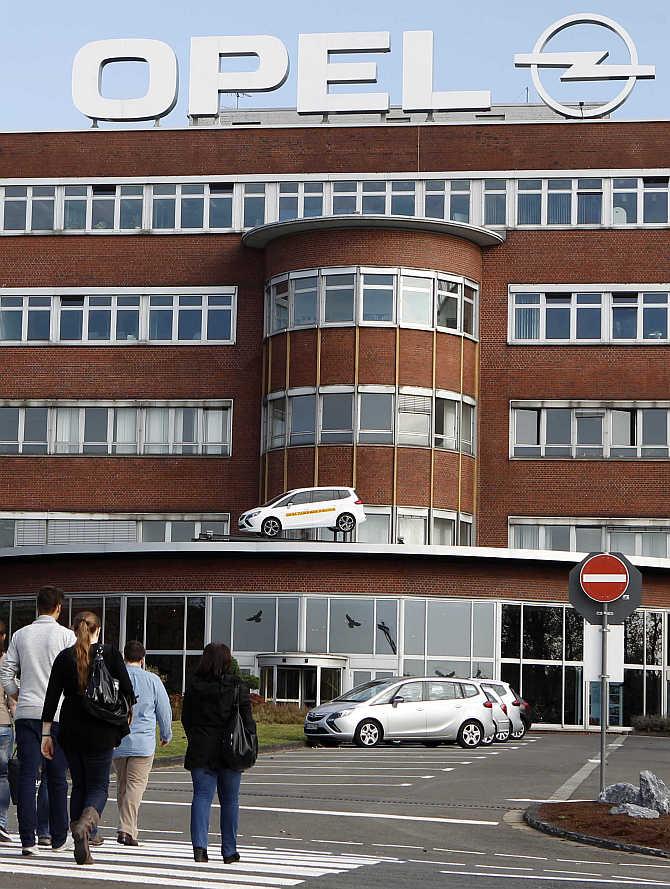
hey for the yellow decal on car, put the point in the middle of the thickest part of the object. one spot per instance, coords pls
(312, 511)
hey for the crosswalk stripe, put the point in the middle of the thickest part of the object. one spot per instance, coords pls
(171, 865)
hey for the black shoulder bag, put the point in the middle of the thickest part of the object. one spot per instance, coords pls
(102, 698)
(240, 746)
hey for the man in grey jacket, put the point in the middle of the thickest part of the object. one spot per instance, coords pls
(31, 653)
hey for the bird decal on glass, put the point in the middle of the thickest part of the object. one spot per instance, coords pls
(478, 674)
(351, 622)
(386, 630)
(256, 618)
(451, 675)
(440, 673)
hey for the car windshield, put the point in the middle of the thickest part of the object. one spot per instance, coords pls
(365, 692)
(274, 500)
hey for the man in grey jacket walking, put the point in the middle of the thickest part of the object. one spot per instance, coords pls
(30, 656)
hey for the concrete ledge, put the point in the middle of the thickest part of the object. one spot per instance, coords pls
(532, 818)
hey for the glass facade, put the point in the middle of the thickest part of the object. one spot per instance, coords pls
(538, 649)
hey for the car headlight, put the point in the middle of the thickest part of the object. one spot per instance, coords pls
(251, 515)
(340, 714)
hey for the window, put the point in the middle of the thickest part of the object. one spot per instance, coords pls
(375, 529)
(445, 423)
(189, 318)
(303, 419)
(443, 531)
(103, 429)
(373, 201)
(344, 198)
(495, 202)
(559, 202)
(305, 301)
(339, 299)
(416, 301)
(467, 428)
(376, 418)
(655, 199)
(351, 626)
(589, 201)
(254, 204)
(29, 207)
(624, 202)
(448, 300)
(279, 306)
(412, 528)
(615, 432)
(337, 418)
(277, 423)
(221, 205)
(300, 199)
(414, 420)
(619, 315)
(529, 204)
(378, 298)
(403, 199)
(164, 215)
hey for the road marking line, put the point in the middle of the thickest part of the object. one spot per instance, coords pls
(333, 812)
(566, 789)
(317, 784)
(459, 851)
(618, 881)
(501, 867)
(574, 873)
(524, 857)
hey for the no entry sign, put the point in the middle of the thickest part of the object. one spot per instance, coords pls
(604, 578)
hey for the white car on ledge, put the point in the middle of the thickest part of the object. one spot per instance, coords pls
(340, 509)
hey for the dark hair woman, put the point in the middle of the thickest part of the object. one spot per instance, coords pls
(87, 740)
(206, 714)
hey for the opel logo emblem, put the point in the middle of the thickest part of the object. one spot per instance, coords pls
(584, 66)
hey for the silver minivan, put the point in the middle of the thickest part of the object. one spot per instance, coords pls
(422, 709)
(506, 694)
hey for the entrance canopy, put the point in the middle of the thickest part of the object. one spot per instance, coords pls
(299, 678)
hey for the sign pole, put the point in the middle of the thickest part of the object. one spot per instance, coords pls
(604, 699)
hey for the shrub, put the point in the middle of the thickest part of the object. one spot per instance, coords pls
(283, 714)
(660, 724)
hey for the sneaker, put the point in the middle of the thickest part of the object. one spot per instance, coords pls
(66, 846)
(31, 851)
(44, 840)
(4, 835)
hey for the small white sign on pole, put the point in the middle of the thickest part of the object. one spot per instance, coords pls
(593, 652)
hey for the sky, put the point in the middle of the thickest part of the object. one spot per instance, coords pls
(475, 43)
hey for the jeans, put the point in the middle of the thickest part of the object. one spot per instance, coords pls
(28, 742)
(6, 744)
(43, 829)
(90, 781)
(227, 783)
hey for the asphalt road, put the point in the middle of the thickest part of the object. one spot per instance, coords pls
(387, 817)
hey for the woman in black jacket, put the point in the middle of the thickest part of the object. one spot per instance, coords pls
(206, 714)
(88, 742)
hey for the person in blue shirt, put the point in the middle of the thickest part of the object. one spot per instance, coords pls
(134, 757)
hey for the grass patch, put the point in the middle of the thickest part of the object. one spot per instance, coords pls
(269, 735)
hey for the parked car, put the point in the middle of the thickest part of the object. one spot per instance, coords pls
(502, 721)
(512, 702)
(422, 709)
(340, 509)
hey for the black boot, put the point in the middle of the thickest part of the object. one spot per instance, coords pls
(200, 854)
(231, 859)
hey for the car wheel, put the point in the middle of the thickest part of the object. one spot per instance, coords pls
(487, 741)
(470, 734)
(345, 523)
(431, 743)
(518, 735)
(271, 527)
(502, 737)
(368, 734)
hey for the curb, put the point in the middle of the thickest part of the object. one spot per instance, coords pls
(170, 761)
(531, 817)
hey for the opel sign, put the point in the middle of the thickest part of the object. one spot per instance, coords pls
(320, 66)
(584, 66)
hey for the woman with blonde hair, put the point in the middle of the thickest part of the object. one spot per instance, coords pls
(87, 734)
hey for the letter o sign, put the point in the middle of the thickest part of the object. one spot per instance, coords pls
(87, 68)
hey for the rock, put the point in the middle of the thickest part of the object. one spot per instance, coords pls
(654, 793)
(634, 811)
(620, 793)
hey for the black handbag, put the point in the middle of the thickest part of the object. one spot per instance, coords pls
(240, 745)
(13, 776)
(102, 698)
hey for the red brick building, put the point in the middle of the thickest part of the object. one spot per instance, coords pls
(466, 321)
